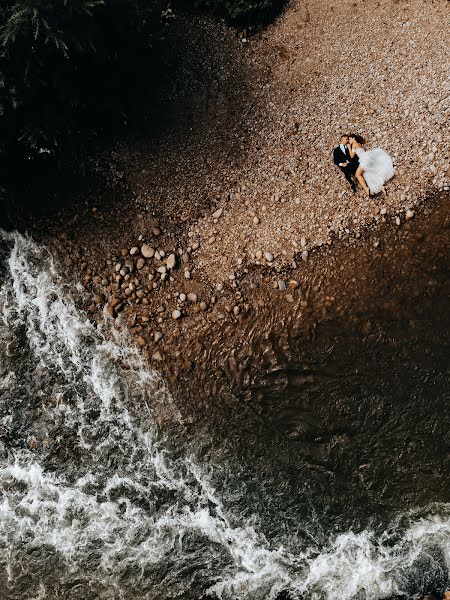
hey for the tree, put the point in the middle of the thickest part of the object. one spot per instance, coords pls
(68, 68)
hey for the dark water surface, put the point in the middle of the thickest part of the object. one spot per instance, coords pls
(315, 466)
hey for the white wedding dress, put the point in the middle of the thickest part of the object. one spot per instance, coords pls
(377, 166)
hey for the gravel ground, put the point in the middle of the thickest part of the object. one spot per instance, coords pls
(376, 68)
(234, 190)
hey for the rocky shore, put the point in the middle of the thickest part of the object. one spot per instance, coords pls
(236, 194)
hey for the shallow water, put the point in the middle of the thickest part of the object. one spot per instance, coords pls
(108, 493)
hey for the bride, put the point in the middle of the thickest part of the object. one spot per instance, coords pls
(375, 164)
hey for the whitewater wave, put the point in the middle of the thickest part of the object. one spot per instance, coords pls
(97, 501)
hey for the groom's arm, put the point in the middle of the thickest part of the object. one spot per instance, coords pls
(337, 159)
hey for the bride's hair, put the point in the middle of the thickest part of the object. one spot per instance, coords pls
(358, 138)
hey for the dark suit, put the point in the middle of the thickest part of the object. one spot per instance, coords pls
(352, 163)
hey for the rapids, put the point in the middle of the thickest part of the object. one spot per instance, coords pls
(102, 497)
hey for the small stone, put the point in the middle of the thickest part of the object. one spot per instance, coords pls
(141, 341)
(203, 306)
(185, 258)
(219, 287)
(187, 274)
(157, 356)
(192, 297)
(281, 285)
(156, 231)
(171, 261)
(218, 213)
(162, 269)
(289, 298)
(268, 256)
(303, 242)
(176, 314)
(158, 336)
(140, 263)
(236, 310)
(182, 297)
(293, 284)
(409, 215)
(147, 251)
(383, 211)
(195, 246)
(134, 250)
(259, 254)
(397, 220)
(256, 221)
(305, 255)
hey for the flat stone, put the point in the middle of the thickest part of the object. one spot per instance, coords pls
(281, 285)
(134, 250)
(218, 213)
(140, 263)
(171, 261)
(147, 251)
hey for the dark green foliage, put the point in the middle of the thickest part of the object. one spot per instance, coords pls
(243, 12)
(70, 67)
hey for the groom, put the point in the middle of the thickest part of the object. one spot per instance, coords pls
(347, 165)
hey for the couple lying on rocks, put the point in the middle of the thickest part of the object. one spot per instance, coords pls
(372, 168)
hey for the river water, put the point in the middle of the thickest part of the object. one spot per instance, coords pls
(104, 497)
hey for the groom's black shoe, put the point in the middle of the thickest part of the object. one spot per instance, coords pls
(354, 189)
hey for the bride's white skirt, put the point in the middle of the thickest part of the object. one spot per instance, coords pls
(378, 168)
